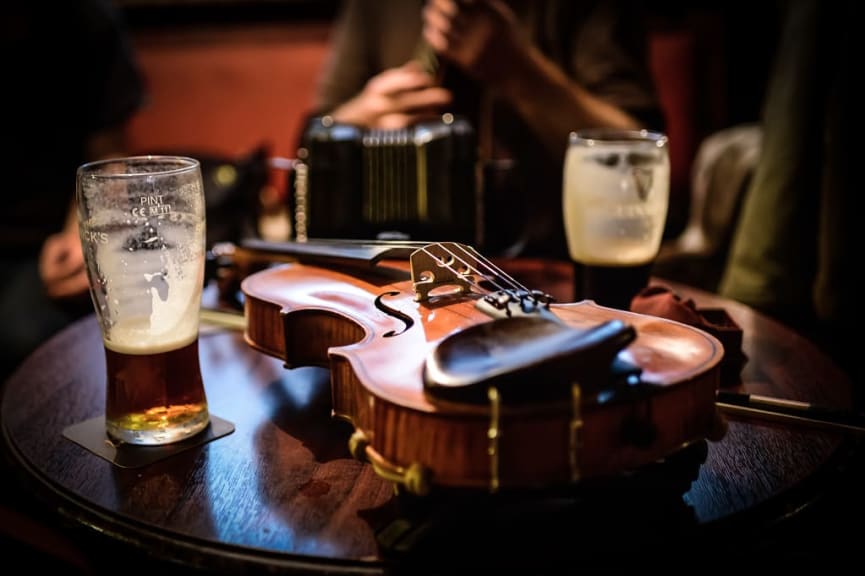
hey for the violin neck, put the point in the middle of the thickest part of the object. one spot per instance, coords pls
(334, 251)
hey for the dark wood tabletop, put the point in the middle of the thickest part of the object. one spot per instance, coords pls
(283, 493)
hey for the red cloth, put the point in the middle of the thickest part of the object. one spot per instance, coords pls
(661, 301)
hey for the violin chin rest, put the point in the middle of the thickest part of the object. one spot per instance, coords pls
(527, 359)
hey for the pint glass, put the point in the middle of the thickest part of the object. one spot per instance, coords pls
(616, 192)
(142, 225)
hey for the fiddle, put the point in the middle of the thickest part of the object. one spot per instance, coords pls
(454, 375)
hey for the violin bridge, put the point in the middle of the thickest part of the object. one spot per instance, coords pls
(441, 265)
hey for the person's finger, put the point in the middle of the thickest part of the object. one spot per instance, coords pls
(437, 19)
(412, 101)
(50, 259)
(444, 28)
(69, 265)
(399, 121)
(405, 78)
(447, 8)
(436, 39)
(61, 267)
(61, 256)
(68, 286)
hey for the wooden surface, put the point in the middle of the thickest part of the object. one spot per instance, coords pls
(282, 492)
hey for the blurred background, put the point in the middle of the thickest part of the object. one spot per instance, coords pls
(232, 78)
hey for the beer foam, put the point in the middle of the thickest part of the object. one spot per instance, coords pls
(171, 323)
(614, 210)
(152, 286)
(138, 339)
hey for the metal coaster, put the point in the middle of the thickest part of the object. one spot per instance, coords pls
(91, 435)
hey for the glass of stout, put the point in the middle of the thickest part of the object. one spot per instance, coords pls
(616, 190)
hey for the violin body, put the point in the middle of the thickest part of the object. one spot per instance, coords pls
(374, 333)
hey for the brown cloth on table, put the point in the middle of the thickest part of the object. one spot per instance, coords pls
(661, 301)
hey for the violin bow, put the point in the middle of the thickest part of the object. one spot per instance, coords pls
(785, 410)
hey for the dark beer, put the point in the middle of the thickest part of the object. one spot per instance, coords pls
(612, 286)
(155, 398)
(615, 196)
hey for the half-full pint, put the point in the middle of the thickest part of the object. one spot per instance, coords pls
(142, 225)
(615, 197)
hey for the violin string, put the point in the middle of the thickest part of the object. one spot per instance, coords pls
(492, 272)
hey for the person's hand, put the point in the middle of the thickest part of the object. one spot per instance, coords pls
(61, 266)
(482, 37)
(395, 98)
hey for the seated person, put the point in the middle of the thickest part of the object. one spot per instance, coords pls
(792, 252)
(524, 73)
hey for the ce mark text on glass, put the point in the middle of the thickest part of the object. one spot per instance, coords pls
(151, 205)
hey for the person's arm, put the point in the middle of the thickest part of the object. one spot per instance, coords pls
(395, 98)
(61, 261)
(485, 39)
(552, 104)
(373, 81)
(116, 93)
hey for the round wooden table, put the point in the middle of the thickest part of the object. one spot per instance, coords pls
(282, 492)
